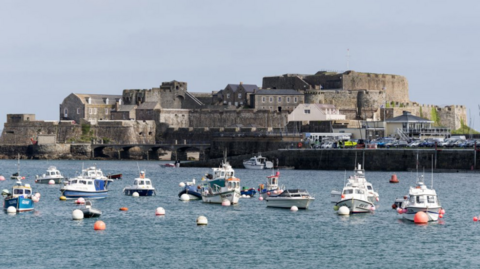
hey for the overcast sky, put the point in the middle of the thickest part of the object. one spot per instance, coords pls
(49, 49)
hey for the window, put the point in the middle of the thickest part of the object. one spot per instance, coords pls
(349, 191)
(65, 112)
(431, 199)
(279, 99)
(295, 99)
(264, 99)
(228, 95)
(90, 111)
(95, 111)
(78, 110)
(239, 96)
(288, 99)
(106, 111)
(271, 99)
(420, 199)
(307, 111)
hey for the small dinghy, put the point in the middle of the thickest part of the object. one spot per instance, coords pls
(89, 211)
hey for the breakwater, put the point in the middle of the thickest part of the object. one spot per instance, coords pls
(373, 159)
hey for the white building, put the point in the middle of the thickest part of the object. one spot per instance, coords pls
(315, 112)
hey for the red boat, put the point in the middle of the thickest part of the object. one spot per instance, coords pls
(114, 176)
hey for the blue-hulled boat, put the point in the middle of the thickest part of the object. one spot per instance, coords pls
(249, 192)
(141, 185)
(91, 184)
(190, 189)
(20, 198)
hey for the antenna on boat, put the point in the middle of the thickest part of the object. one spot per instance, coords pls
(432, 172)
(363, 160)
(345, 178)
(355, 165)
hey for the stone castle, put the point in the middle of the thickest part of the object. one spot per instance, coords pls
(153, 115)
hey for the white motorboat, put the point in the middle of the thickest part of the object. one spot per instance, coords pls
(257, 162)
(271, 187)
(141, 185)
(91, 184)
(51, 174)
(288, 198)
(421, 198)
(357, 178)
(221, 185)
(356, 195)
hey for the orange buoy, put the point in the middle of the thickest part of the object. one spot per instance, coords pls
(420, 218)
(123, 208)
(99, 225)
(475, 219)
(394, 179)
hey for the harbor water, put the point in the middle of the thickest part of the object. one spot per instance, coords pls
(247, 235)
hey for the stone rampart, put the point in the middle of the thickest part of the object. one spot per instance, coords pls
(240, 118)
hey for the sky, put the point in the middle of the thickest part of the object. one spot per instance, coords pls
(50, 49)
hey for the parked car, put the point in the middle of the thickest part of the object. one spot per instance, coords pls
(360, 143)
(383, 142)
(400, 144)
(414, 144)
(349, 144)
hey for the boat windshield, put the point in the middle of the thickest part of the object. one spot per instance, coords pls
(431, 199)
(359, 191)
(18, 191)
(147, 182)
(348, 191)
(420, 199)
(369, 188)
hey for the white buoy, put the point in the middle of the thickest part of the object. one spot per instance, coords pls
(260, 198)
(160, 211)
(343, 210)
(11, 210)
(244, 196)
(51, 182)
(77, 214)
(38, 194)
(185, 197)
(35, 199)
(135, 194)
(80, 201)
(226, 202)
(294, 208)
(202, 220)
(182, 184)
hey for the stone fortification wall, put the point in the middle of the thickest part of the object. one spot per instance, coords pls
(126, 132)
(240, 117)
(288, 81)
(395, 86)
(449, 116)
(130, 132)
(23, 132)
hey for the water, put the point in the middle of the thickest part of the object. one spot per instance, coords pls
(247, 235)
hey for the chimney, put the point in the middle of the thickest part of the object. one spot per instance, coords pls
(241, 83)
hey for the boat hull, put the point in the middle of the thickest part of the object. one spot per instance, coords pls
(71, 194)
(431, 212)
(91, 212)
(20, 203)
(280, 202)
(257, 167)
(356, 205)
(218, 198)
(192, 194)
(141, 192)
(47, 180)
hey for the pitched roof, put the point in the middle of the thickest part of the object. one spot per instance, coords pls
(278, 92)
(98, 99)
(234, 87)
(149, 105)
(249, 87)
(408, 117)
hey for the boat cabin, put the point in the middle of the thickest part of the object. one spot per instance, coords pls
(83, 181)
(22, 190)
(423, 199)
(294, 193)
(141, 182)
(92, 172)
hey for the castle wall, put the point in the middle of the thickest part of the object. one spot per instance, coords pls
(242, 117)
(395, 86)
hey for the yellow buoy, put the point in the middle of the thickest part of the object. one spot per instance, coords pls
(63, 198)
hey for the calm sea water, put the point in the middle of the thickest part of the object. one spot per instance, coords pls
(247, 235)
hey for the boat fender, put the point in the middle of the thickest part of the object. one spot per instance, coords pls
(299, 144)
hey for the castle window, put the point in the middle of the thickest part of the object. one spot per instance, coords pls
(228, 96)
(295, 99)
(90, 111)
(271, 99)
(78, 110)
(106, 111)
(288, 99)
(279, 99)
(65, 112)
(264, 99)
(239, 96)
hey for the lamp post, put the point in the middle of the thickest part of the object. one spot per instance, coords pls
(384, 109)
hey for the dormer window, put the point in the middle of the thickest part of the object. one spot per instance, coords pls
(105, 100)
(89, 100)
